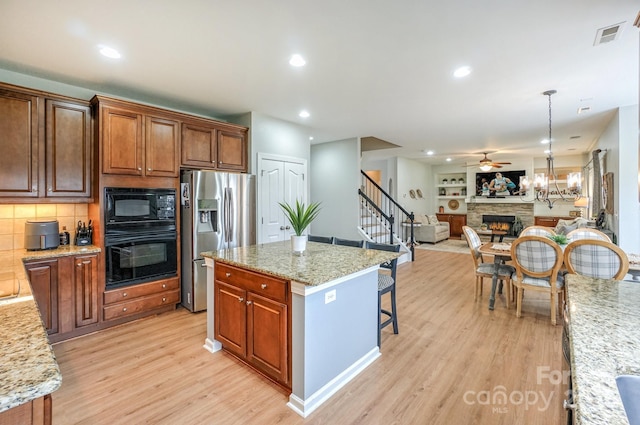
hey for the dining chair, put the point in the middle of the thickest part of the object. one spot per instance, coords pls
(321, 239)
(537, 231)
(483, 269)
(596, 258)
(348, 242)
(537, 260)
(587, 233)
(386, 284)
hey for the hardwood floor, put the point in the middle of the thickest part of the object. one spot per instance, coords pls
(453, 362)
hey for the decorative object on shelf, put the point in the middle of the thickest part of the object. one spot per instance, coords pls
(453, 204)
(300, 218)
(484, 226)
(440, 209)
(461, 181)
(443, 191)
(445, 181)
(542, 182)
(412, 193)
(419, 193)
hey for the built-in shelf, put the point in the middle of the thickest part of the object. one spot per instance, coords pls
(452, 185)
(452, 197)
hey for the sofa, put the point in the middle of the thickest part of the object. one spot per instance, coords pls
(431, 230)
(565, 226)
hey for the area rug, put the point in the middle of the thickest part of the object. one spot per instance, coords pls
(449, 245)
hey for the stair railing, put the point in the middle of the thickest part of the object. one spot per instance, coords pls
(386, 210)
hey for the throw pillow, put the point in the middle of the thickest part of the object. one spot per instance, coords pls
(433, 219)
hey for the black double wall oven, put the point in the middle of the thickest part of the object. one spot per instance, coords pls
(140, 235)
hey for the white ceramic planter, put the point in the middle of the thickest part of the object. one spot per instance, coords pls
(298, 243)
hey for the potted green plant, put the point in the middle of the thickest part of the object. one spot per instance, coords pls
(300, 216)
(559, 239)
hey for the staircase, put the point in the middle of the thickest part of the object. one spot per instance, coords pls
(382, 219)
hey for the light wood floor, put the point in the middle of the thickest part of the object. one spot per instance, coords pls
(450, 363)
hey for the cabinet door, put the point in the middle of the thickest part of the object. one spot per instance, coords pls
(267, 336)
(161, 147)
(230, 317)
(19, 141)
(232, 151)
(43, 277)
(121, 141)
(86, 289)
(68, 149)
(456, 222)
(198, 146)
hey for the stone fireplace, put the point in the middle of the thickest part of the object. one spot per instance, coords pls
(499, 222)
(476, 211)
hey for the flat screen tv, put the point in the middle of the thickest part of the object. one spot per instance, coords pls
(483, 183)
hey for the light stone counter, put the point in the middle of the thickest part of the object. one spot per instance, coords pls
(320, 263)
(28, 368)
(605, 342)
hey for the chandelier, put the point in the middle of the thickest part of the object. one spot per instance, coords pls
(545, 185)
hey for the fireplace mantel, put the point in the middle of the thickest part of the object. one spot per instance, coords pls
(505, 200)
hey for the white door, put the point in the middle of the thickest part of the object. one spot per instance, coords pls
(279, 180)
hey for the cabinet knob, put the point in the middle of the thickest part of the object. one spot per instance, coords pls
(50, 190)
(164, 285)
(281, 227)
(220, 162)
(263, 286)
(124, 309)
(240, 299)
(148, 169)
(248, 302)
(164, 299)
(288, 227)
(124, 294)
(228, 274)
(139, 168)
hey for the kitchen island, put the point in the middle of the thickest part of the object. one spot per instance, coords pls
(603, 335)
(328, 312)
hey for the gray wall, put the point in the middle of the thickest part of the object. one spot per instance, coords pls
(335, 178)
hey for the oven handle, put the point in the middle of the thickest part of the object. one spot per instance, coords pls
(116, 240)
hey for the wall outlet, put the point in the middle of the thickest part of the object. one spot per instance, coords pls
(330, 296)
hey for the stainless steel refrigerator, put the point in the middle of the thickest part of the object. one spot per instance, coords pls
(218, 211)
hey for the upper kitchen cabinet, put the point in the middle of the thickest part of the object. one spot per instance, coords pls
(47, 147)
(214, 145)
(19, 141)
(137, 140)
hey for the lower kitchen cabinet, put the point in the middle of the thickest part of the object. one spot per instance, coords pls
(66, 291)
(456, 222)
(252, 320)
(35, 412)
(157, 296)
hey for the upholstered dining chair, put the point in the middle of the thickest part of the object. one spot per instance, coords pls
(321, 239)
(537, 231)
(537, 260)
(483, 269)
(587, 233)
(348, 242)
(596, 258)
(386, 284)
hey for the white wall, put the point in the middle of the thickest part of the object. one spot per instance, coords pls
(414, 175)
(620, 139)
(335, 177)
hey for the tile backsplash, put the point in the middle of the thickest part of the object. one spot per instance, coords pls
(13, 217)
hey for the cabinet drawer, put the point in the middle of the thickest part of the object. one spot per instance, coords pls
(139, 305)
(258, 283)
(134, 291)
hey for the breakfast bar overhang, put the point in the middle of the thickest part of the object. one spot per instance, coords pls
(334, 308)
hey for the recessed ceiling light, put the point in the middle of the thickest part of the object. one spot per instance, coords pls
(310, 137)
(297, 60)
(461, 72)
(304, 114)
(429, 152)
(448, 159)
(544, 141)
(547, 151)
(109, 52)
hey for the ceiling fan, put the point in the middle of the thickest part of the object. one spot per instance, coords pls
(487, 164)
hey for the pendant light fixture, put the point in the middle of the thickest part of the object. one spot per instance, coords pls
(545, 186)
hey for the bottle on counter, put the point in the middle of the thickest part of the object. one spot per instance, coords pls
(64, 236)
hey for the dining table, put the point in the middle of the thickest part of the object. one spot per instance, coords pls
(501, 252)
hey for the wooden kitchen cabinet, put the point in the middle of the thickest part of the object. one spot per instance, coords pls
(34, 412)
(121, 132)
(456, 221)
(252, 319)
(43, 276)
(47, 146)
(212, 145)
(66, 291)
(157, 296)
(162, 147)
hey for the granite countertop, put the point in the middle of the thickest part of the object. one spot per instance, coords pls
(320, 263)
(28, 368)
(603, 330)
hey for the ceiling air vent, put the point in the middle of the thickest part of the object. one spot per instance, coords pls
(608, 34)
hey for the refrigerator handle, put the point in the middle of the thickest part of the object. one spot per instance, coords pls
(225, 225)
(230, 215)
